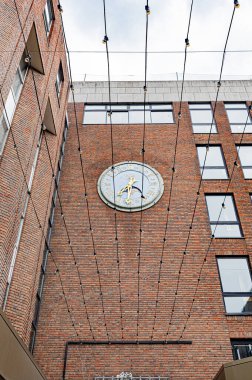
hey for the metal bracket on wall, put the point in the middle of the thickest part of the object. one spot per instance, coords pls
(120, 342)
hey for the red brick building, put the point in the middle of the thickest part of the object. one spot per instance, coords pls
(183, 307)
(93, 292)
(34, 91)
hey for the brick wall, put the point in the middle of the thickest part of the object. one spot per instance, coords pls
(209, 328)
(26, 128)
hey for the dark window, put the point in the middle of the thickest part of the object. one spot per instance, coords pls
(128, 114)
(48, 16)
(202, 118)
(241, 348)
(239, 117)
(236, 283)
(212, 163)
(245, 155)
(223, 216)
(59, 80)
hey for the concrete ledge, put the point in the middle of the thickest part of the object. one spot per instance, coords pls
(236, 370)
(163, 91)
(16, 362)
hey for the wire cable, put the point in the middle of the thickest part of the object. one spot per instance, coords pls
(147, 11)
(83, 175)
(235, 165)
(56, 184)
(136, 51)
(187, 44)
(105, 40)
(198, 191)
(38, 220)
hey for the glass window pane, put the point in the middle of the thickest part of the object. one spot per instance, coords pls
(214, 173)
(202, 116)
(200, 105)
(235, 105)
(118, 107)
(3, 132)
(98, 117)
(50, 8)
(238, 116)
(238, 304)
(247, 173)
(161, 107)
(47, 15)
(214, 205)
(226, 230)
(242, 350)
(91, 107)
(137, 117)
(23, 66)
(245, 154)
(139, 107)
(17, 85)
(162, 117)
(118, 118)
(201, 128)
(10, 106)
(213, 157)
(235, 274)
(242, 128)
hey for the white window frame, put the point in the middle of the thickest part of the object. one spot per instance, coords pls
(246, 126)
(201, 107)
(238, 293)
(129, 109)
(11, 102)
(48, 15)
(59, 80)
(219, 166)
(214, 223)
(244, 167)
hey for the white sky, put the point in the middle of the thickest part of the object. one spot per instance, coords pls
(168, 23)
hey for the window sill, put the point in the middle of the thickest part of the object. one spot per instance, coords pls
(130, 124)
(238, 314)
(215, 179)
(230, 238)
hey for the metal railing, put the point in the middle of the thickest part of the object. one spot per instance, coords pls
(123, 377)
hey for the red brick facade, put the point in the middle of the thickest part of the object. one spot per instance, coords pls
(26, 128)
(208, 328)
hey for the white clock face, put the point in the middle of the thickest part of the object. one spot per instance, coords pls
(133, 186)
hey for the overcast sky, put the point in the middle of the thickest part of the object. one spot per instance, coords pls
(167, 31)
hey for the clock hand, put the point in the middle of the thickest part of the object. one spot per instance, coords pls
(128, 188)
(137, 188)
(128, 200)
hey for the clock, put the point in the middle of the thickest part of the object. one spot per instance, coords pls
(130, 186)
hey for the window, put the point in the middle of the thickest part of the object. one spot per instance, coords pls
(241, 348)
(48, 16)
(202, 118)
(223, 216)
(128, 114)
(11, 101)
(245, 155)
(236, 283)
(239, 117)
(212, 163)
(59, 81)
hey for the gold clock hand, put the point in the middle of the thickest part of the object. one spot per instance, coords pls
(127, 187)
(128, 200)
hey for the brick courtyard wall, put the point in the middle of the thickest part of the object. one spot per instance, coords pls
(26, 126)
(208, 328)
